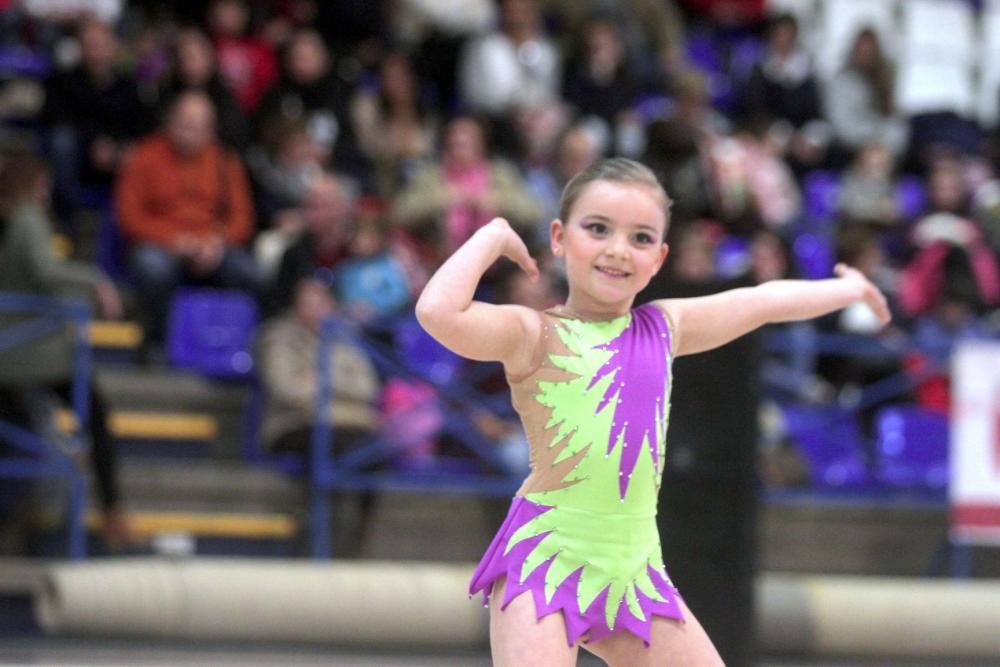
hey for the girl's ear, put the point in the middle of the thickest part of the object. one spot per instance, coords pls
(556, 233)
(664, 251)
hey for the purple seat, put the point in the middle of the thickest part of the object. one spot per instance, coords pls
(912, 448)
(820, 191)
(212, 331)
(20, 61)
(829, 440)
(425, 356)
(814, 255)
(732, 256)
(911, 197)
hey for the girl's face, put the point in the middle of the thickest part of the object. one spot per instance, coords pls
(613, 245)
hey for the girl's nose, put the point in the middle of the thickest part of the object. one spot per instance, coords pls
(616, 246)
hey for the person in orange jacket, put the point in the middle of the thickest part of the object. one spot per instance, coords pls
(184, 205)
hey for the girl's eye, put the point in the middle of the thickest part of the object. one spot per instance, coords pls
(644, 239)
(598, 228)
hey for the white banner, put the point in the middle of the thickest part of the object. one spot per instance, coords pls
(975, 442)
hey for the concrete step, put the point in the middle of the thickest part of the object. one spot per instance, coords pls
(207, 485)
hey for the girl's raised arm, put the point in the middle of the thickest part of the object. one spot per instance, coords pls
(473, 329)
(704, 323)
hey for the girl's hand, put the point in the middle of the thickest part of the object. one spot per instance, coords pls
(512, 246)
(870, 294)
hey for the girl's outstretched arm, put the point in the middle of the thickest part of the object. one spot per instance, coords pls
(704, 323)
(473, 329)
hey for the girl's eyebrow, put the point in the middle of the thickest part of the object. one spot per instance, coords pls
(597, 217)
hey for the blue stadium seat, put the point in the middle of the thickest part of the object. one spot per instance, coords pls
(212, 331)
(820, 190)
(814, 255)
(912, 448)
(830, 442)
(423, 355)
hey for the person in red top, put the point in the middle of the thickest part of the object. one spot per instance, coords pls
(184, 205)
(247, 63)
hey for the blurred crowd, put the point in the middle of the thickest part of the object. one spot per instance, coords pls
(326, 156)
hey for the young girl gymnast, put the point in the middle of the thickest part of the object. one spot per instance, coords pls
(591, 383)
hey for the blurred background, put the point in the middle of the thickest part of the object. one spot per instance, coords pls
(222, 428)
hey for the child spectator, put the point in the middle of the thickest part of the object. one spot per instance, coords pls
(372, 284)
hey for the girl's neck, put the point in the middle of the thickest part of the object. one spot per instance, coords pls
(586, 309)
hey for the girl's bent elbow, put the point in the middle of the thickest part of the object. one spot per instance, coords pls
(430, 314)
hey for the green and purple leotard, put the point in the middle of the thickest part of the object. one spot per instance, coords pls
(581, 533)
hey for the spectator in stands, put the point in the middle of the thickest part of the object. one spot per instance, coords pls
(92, 113)
(435, 33)
(396, 129)
(949, 286)
(372, 283)
(287, 351)
(694, 252)
(575, 150)
(283, 165)
(496, 79)
(29, 265)
(184, 205)
(783, 91)
(752, 186)
(310, 91)
(463, 192)
(511, 73)
(868, 192)
(193, 68)
(953, 269)
(652, 34)
(327, 211)
(246, 61)
(986, 210)
(599, 83)
(859, 99)
(678, 148)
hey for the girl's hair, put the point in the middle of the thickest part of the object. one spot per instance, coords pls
(617, 170)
